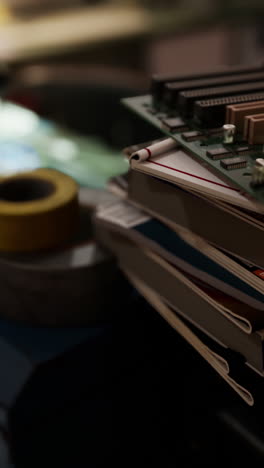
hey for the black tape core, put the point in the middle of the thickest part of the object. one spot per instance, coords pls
(25, 189)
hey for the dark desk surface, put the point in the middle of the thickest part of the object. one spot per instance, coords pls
(135, 395)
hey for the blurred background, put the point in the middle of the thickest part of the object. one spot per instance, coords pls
(71, 61)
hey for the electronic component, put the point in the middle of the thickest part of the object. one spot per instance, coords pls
(159, 81)
(247, 121)
(258, 173)
(172, 89)
(173, 123)
(242, 149)
(217, 153)
(211, 112)
(158, 86)
(229, 131)
(234, 163)
(191, 136)
(254, 129)
(211, 128)
(187, 99)
(236, 113)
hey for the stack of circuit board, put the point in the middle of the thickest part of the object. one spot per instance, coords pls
(188, 225)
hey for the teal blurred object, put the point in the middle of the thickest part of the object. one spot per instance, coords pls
(28, 142)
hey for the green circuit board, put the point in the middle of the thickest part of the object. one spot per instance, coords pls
(209, 139)
(28, 142)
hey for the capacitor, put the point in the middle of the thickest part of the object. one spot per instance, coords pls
(229, 131)
(258, 173)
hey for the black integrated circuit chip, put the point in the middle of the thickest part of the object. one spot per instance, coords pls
(217, 153)
(193, 135)
(234, 163)
(173, 123)
(243, 149)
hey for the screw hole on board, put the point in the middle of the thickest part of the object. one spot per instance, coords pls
(203, 144)
(247, 174)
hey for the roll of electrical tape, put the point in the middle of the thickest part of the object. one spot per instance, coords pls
(38, 210)
(73, 286)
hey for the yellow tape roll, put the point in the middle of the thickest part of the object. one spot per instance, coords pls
(38, 210)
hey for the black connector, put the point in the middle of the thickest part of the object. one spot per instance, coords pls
(159, 81)
(172, 90)
(211, 112)
(187, 98)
